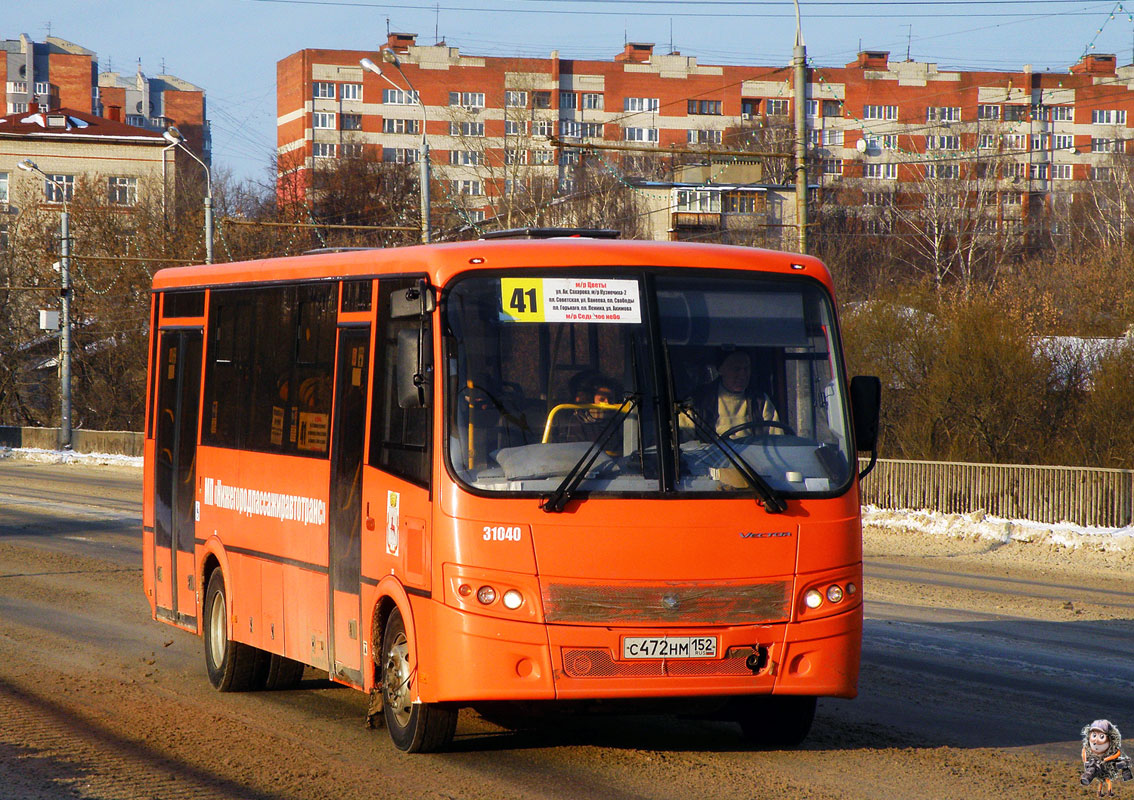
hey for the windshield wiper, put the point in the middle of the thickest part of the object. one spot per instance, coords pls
(773, 503)
(557, 500)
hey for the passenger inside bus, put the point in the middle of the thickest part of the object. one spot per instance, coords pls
(732, 403)
(595, 393)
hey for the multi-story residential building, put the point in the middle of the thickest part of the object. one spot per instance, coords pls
(115, 162)
(1018, 140)
(57, 74)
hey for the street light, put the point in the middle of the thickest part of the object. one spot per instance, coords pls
(27, 165)
(423, 150)
(173, 136)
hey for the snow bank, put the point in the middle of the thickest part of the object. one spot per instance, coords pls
(979, 525)
(68, 457)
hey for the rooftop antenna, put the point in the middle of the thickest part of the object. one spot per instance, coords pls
(163, 65)
(48, 26)
(909, 39)
(436, 22)
(387, 27)
(671, 36)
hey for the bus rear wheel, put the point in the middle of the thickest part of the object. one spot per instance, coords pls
(775, 720)
(414, 727)
(282, 672)
(232, 666)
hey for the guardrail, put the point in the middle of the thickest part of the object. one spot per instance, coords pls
(1079, 495)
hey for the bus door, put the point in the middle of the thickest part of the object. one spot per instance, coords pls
(178, 401)
(345, 512)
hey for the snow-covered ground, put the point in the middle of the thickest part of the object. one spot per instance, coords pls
(976, 525)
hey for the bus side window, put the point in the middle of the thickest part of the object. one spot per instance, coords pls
(399, 437)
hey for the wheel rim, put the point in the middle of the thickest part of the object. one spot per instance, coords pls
(396, 680)
(218, 630)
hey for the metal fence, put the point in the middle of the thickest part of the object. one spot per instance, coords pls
(1079, 495)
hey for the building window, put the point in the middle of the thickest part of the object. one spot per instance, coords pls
(706, 106)
(776, 107)
(1063, 141)
(1037, 172)
(543, 156)
(323, 150)
(641, 104)
(17, 87)
(399, 125)
(473, 215)
(988, 112)
(467, 99)
(541, 99)
(832, 166)
(399, 155)
(323, 119)
(1016, 141)
(1010, 198)
(1061, 172)
(515, 99)
(879, 112)
(466, 129)
(3, 188)
(352, 122)
(832, 137)
(743, 203)
(832, 108)
(942, 142)
(699, 201)
(704, 137)
(943, 171)
(580, 130)
(137, 120)
(17, 108)
(569, 157)
(566, 186)
(514, 156)
(58, 188)
(465, 158)
(1062, 113)
(396, 97)
(812, 109)
(986, 141)
(568, 100)
(749, 107)
(1015, 169)
(543, 127)
(943, 114)
(1101, 174)
(352, 150)
(1108, 116)
(513, 128)
(351, 91)
(122, 191)
(1015, 113)
(592, 101)
(887, 172)
(877, 199)
(323, 89)
(466, 187)
(1106, 145)
(1040, 141)
(640, 134)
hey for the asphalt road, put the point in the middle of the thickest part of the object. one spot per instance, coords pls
(975, 683)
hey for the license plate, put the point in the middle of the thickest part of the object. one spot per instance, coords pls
(669, 647)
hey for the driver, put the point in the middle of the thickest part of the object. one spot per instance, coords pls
(731, 399)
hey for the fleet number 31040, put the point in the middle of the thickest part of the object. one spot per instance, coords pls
(502, 533)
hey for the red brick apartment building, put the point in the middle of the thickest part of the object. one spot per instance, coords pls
(877, 127)
(57, 74)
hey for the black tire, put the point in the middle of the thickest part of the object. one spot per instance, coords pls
(775, 720)
(282, 673)
(414, 727)
(232, 666)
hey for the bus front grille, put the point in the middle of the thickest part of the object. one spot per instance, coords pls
(667, 603)
(597, 662)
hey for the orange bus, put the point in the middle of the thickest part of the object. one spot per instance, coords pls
(511, 469)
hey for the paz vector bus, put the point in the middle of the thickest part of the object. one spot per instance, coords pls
(517, 470)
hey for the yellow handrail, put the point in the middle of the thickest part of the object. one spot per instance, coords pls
(577, 406)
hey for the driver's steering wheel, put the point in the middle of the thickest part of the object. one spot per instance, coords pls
(755, 424)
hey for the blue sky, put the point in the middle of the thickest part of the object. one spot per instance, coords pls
(230, 47)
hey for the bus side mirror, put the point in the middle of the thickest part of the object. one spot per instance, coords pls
(418, 300)
(411, 382)
(866, 402)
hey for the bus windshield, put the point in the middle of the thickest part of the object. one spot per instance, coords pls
(653, 382)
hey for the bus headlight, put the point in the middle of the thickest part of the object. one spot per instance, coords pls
(486, 595)
(812, 599)
(513, 599)
(835, 593)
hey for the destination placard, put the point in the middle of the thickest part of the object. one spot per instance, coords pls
(601, 300)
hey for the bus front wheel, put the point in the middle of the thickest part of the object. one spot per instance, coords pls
(232, 666)
(775, 720)
(414, 727)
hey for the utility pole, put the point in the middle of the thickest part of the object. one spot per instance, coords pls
(799, 58)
